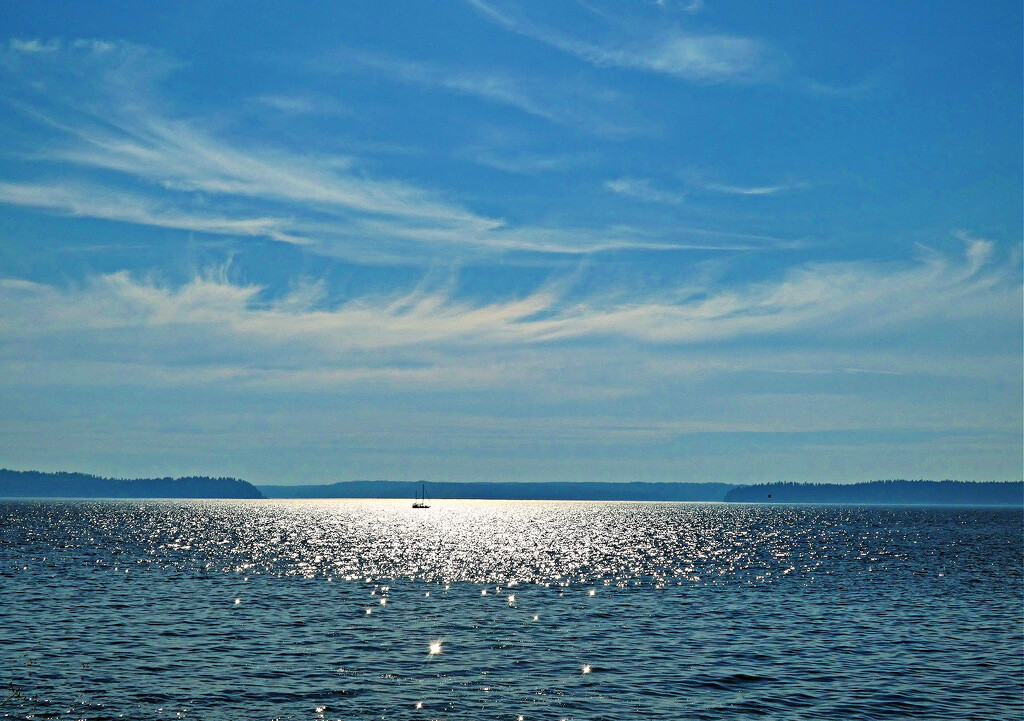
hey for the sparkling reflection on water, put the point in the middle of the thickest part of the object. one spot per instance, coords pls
(483, 609)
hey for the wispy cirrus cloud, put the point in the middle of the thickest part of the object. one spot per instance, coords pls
(34, 45)
(648, 190)
(108, 121)
(594, 111)
(298, 105)
(180, 157)
(835, 300)
(661, 45)
(710, 181)
(520, 163)
(84, 200)
(124, 157)
(705, 59)
(644, 189)
(696, 57)
(491, 86)
(753, 189)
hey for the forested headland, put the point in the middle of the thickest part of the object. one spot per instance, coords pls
(36, 484)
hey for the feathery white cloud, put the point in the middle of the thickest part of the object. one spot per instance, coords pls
(570, 105)
(752, 189)
(108, 121)
(85, 200)
(33, 46)
(830, 301)
(695, 57)
(139, 165)
(643, 189)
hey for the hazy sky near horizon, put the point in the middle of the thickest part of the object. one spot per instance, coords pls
(483, 240)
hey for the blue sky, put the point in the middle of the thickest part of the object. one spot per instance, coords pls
(656, 241)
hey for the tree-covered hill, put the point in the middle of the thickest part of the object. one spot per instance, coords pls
(35, 484)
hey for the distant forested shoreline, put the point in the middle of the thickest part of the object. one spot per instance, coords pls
(37, 484)
(1001, 493)
(918, 492)
(499, 490)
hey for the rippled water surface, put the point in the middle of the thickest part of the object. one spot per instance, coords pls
(504, 610)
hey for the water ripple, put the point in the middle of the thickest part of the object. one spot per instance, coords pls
(257, 609)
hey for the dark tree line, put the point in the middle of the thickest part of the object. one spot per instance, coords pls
(892, 491)
(36, 484)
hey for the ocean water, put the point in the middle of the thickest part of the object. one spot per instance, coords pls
(228, 610)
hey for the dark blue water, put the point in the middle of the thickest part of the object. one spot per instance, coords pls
(330, 610)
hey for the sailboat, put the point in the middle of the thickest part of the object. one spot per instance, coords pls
(421, 502)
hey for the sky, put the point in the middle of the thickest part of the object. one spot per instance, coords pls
(512, 241)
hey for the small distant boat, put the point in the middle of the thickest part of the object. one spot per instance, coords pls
(421, 502)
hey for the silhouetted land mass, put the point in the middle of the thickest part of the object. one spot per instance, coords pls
(876, 492)
(509, 491)
(884, 492)
(35, 484)
(82, 485)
